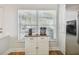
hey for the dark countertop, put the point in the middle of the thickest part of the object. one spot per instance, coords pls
(37, 35)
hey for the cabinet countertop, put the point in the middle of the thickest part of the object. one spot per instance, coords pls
(37, 35)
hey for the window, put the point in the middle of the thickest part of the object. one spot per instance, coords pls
(35, 19)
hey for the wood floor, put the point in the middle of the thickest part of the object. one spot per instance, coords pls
(23, 53)
(16, 53)
(55, 53)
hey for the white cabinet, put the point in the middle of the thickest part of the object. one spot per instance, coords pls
(43, 46)
(37, 46)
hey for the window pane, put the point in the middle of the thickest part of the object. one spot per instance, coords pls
(27, 17)
(46, 17)
(32, 20)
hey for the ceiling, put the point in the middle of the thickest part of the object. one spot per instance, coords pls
(31, 6)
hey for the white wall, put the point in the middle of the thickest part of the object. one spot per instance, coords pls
(1, 17)
(4, 44)
(1, 22)
(61, 28)
(4, 39)
(70, 15)
(10, 21)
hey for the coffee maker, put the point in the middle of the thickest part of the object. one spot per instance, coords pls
(43, 31)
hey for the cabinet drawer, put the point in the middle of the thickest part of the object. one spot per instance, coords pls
(43, 40)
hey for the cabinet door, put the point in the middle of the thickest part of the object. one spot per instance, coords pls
(30, 46)
(43, 46)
